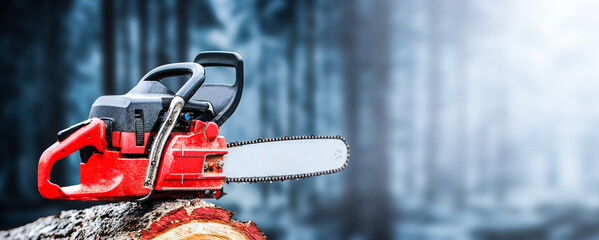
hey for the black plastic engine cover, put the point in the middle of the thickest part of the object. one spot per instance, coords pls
(145, 102)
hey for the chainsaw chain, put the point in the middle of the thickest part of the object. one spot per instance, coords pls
(286, 177)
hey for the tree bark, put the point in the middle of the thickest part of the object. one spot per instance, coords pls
(166, 219)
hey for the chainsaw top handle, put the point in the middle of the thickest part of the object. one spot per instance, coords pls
(229, 93)
(180, 69)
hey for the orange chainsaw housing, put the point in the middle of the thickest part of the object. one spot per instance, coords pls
(190, 164)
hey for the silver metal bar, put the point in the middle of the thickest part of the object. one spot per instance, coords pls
(160, 141)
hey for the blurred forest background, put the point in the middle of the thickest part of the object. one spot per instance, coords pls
(466, 119)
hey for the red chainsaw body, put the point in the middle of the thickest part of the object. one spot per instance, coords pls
(177, 130)
(190, 164)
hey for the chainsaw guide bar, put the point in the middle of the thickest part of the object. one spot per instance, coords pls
(233, 145)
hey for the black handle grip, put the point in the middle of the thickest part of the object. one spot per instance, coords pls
(225, 59)
(180, 69)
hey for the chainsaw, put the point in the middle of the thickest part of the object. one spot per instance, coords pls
(152, 143)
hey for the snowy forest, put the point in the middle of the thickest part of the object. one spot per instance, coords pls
(465, 119)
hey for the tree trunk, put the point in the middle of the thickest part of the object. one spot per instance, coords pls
(379, 64)
(108, 44)
(433, 93)
(352, 57)
(462, 86)
(310, 104)
(142, 12)
(182, 30)
(167, 219)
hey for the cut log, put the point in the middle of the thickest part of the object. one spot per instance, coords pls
(172, 219)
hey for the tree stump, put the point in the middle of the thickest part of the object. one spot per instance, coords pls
(167, 219)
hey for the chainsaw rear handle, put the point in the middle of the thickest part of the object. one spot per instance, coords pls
(180, 69)
(225, 59)
(92, 134)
